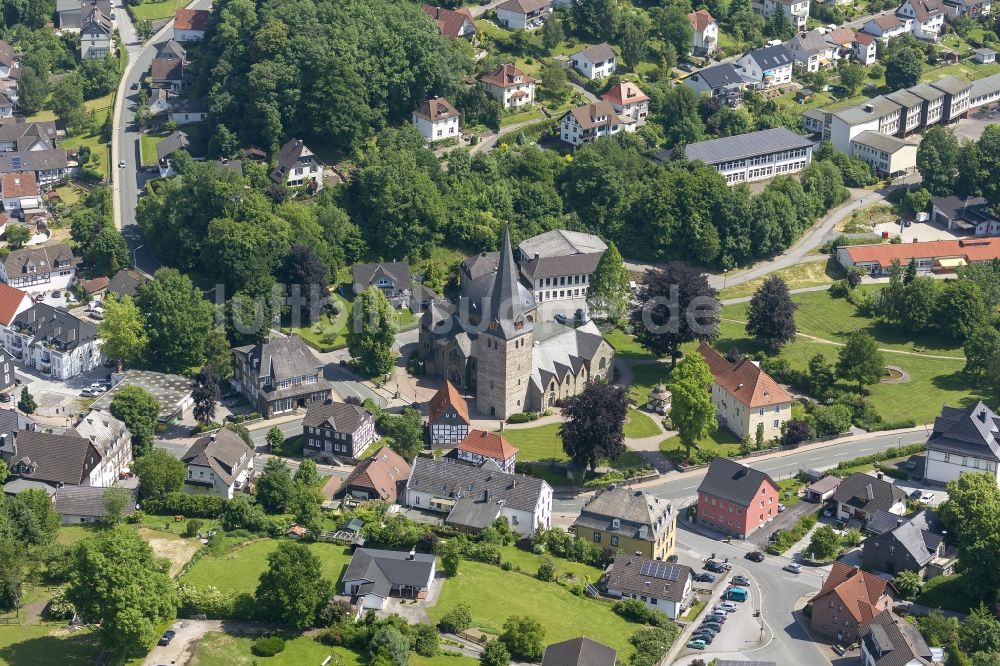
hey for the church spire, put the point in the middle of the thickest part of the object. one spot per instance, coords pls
(507, 316)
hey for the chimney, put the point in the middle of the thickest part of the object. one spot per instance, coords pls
(899, 522)
(412, 555)
(212, 437)
(486, 495)
(982, 416)
(266, 340)
(869, 108)
(878, 475)
(537, 256)
(870, 492)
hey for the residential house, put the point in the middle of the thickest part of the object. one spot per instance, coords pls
(578, 652)
(173, 392)
(963, 440)
(985, 56)
(796, 11)
(96, 35)
(27, 135)
(769, 66)
(279, 374)
(89, 504)
(333, 429)
(126, 282)
(860, 495)
(559, 264)
(392, 278)
(736, 499)
(630, 521)
(812, 52)
(926, 17)
(910, 545)
(706, 32)
(8, 62)
(889, 156)
(523, 14)
(863, 49)
(39, 157)
(159, 103)
(20, 191)
(889, 640)
(589, 122)
(474, 497)
(218, 464)
(374, 576)
(382, 477)
(176, 141)
(966, 216)
(746, 397)
(822, 489)
(35, 268)
(842, 38)
(190, 24)
(113, 442)
(479, 446)
(630, 103)
(53, 341)
(848, 600)
(454, 23)
(167, 69)
(723, 80)
(297, 166)
(437, 119)
(660, 585)
(12, 303)
(930, 256)
(6, 105)
(974, 8)
(886, 26)
(185, 111)
(447, 416)
(509, 86)
(595, 62)
(55, 460)
(70, 13)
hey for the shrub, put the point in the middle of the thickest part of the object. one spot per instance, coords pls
(210, 602)
(840, 289)
(457, 620)
(184, 504)
(268, 646)
(426, 640)
(193, 525)
(634, 610)
(908, 584)
(522, 417)
(547, 571)
(790, 537)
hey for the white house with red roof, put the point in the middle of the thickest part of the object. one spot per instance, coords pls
(20, 191)
(190, 24)
(630, 103)
(745, 396)
(480, 446)
(12, 303)
(508, 85)
(437, 120)
(706, 32)
(448, 416)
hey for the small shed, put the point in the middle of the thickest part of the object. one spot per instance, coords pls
(659, 399)
(804, 96)
(822, 490)
(985, 56)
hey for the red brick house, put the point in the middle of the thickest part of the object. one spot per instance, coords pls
(849, 599)
(736, 499)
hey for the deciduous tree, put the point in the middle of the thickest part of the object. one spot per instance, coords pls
(959, 309)
(159, 473)
(292, 589)
(206, 394)
(937, 160)
(609, 293)
(860, 360)
(691, 410)
(177, 320)
(372, 333)
(593, 424)
(903, 68)
(123, 336)
(524, 637)
(138, 409)
(771, 314)
(275, 487)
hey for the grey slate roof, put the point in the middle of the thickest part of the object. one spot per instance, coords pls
(892, 641)
(626, 576)
(33, 160)
(634, 509)
(770, 57)
(59, 458)
(972, 431)
(721, 75)
(284, 357)
(809, 43)
(729, 480)
(507, 309)
(450, 479)
(951, 85)
(366, 274)
(385, 568)
(480, 264)
(884, 142)
(474, 513)
(176, 141)
(51, 324)
(12, 421)
(100, 428)
(560, 252)
(223, 451)
(340, 416)
(293, 154)
(579, 652)
(882, 522)
(865, 492)
(88, 501)
(597, 53)
(126, 282)
(38, 259)
(743, 146)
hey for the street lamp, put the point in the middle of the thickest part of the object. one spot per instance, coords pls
(134, 253)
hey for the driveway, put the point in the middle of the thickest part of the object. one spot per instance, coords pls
(783, 521)
(189, 634)
(415, 611)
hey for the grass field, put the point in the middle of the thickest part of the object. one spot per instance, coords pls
(330, 333)
(539, 443)
(46, 644)
(147, 146)
(809, 274)
(948, 593)
(528, 563)
(640, 424)
(721, 442)
(239, 570)
(151, 10)
(494, 594)
(645, 377)
(626, 347)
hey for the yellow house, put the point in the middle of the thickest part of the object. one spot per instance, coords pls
(745, 396)
(630, 521)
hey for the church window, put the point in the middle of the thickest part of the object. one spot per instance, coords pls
(602, 363)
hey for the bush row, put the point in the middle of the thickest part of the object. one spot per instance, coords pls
(184, 504)
(844, 468)
(790, 537)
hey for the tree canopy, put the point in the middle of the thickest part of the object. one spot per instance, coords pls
(593, 424)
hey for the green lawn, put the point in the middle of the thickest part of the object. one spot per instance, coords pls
(639, 424)
(792, 486)
(528, 563)
(494, 594)
(645, 377)
(330, 333)
(721, 442)
(70, 534)
(219, 649)
(36, 645)
(239, 570)
(809, 274)
(626, 347)
(147, 146)
(539, 443)
(151, 10)
(533, 113)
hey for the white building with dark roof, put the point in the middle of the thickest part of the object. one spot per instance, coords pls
(589, 122)
(723, 80)
(889, 640)
(298, 166)
(337, 429)
(113, 441)
(86, 504)
(523, 14)
(926, 17)
(374, 576)
(96, 35)
(890, 156)
(596, 62)
(35, 269)
(963, 440)
(660, 585)
(56, 460)
(753, 156)
(279, 374)
(437, 120)
(796, 11)
(559, 264)
(769, 66)
(53, 342)
(218, 464)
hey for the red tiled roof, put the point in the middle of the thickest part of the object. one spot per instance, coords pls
(505, 76)
(95, 285)
(747, 382)
(972, 249)
(381, 473)
(700, 20)
(191, 19)
(625, 93)
(858, 591)
(489, 444)
(449, 21)
(436, 109)
(10, 301)
(863, 38)
(19, 184)
(447, 396)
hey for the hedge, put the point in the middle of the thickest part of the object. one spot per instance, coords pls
(844, 468)
(183, 504)
(790, 537)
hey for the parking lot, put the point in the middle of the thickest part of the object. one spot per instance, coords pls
(741, 629)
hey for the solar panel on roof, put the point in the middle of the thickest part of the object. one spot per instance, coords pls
(15, 162)
(662, 570)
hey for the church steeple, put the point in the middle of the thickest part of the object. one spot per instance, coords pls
(506, 313)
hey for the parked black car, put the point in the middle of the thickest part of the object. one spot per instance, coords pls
(704, 578)
(167, 637)
(755, 556)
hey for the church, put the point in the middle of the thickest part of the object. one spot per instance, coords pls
(493, 345)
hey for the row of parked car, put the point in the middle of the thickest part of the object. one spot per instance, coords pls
(711, 625)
